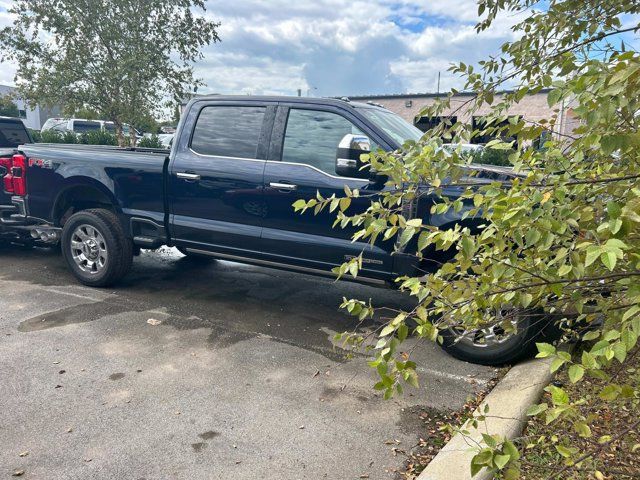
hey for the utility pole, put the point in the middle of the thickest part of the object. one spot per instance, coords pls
(299, 92)
(438, 91)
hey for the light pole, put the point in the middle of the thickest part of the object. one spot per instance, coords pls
(309, 90)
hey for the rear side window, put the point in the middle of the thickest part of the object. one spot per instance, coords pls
(82, 126)
(13, 134)
(228, 131)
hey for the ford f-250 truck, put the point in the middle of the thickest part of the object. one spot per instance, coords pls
(226, 190)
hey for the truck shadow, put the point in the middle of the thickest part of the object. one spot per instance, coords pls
(235, 301)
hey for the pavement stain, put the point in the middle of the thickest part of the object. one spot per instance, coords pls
(209, 435)
(86, 312)
(198, 447)
(116, 376)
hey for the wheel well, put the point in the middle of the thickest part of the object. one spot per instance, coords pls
(79, 198)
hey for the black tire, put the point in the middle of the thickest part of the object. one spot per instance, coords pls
(532, 327)
(118, 248)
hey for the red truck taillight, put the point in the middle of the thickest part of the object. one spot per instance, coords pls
(19, 174)
(7, 178)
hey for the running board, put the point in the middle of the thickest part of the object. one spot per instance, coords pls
(283, 266)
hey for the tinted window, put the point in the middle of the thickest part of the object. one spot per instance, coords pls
(394, 125)
(313, 136)
(13, 134)
(228, 131)
(82, 126)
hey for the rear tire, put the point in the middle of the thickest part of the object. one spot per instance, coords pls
(531, 328)
(96, 248)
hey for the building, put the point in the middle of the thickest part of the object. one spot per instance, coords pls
(531, 108)
(33, 117)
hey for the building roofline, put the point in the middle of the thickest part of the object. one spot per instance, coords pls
(426, 95)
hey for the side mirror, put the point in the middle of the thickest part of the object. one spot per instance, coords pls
(348, 163)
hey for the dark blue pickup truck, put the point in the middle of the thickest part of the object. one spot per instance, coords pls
(226, 190)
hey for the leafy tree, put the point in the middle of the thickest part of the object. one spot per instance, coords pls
(562, 238)
(126, 60)
(7, 107)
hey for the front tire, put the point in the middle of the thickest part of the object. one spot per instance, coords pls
(494, 346)
(96, 248)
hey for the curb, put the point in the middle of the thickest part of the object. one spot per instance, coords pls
(521, 387)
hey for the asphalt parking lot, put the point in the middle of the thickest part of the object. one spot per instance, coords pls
(240, 379)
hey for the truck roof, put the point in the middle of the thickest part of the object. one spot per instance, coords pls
(289, 99)
(11, 119)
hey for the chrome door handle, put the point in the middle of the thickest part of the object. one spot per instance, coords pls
(283, 186)
(188, 176)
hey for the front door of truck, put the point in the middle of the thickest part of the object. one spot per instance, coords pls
(215, 181)
(304, 145)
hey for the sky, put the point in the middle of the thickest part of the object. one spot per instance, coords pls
(336, 47)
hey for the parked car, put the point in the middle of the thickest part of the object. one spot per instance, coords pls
(75, 125)
(166, 139)
(126, 129)
(79, 125)
(226, 190)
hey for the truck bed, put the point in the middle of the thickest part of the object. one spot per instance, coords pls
(131, 178)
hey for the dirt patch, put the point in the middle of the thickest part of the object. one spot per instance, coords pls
(435, 430)
(541, 459)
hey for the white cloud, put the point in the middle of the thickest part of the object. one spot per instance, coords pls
(336, 47)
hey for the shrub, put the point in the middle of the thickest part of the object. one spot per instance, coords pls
(492, 156)
(98, 137)
(151, 142)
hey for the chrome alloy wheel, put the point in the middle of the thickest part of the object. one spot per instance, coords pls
(88, 249)
(491, 335)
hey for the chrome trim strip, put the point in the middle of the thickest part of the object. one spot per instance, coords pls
(280, 163)
(278, 264)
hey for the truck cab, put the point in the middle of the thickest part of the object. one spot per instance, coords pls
(232, 180)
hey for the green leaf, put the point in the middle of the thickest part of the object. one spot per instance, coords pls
(556, 364)
(609, 260)
(344, 203)
(610, 392)
(631, 312)
(534, 410)
(501, 460)
(558, 395)
(545, 350)
(387, 330)
(576, 372)
(564, 269)
(582, 429)
(593, 253)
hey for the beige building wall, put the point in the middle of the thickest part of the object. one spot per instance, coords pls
(532, 108)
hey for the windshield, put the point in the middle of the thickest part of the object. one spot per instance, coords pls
(393, 125)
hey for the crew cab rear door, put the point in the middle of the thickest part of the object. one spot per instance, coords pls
(215, 181)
